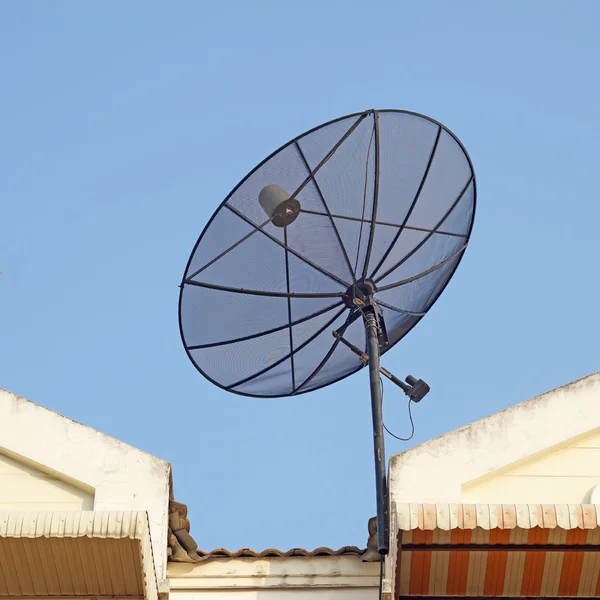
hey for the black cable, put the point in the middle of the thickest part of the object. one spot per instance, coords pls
(412, 424)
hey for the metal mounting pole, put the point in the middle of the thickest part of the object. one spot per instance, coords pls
(383, 524)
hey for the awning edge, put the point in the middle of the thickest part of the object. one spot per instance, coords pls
(448, 517)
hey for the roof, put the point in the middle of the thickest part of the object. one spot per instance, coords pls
(497, 550)
(274, 553)
(77, 554)
(437, 470)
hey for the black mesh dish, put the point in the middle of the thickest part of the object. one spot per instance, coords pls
(387, 195)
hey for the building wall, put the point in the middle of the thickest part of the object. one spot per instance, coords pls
(299, 578)
(273, 594)
(532, 447)
(121, 477)
(25, 488)
(566, 475)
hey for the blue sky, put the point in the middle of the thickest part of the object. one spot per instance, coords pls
(124, 124)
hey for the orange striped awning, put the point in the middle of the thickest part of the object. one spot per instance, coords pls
(482, 550)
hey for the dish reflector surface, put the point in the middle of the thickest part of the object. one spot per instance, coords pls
(383, 195)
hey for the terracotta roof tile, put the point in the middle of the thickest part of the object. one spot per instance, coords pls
(274, 553)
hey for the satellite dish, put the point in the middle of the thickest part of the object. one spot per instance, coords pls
(355, 226)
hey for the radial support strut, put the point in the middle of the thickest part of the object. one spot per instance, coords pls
(383, 520)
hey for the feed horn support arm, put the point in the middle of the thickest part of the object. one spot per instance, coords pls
(414, 388)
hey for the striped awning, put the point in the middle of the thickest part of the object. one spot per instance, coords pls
(83, 554)
(508, 550)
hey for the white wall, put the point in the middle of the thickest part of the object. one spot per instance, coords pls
(441, 470)
(297, 578)
(121, 477)
(291, 593)
(24, 488)
(563, 476)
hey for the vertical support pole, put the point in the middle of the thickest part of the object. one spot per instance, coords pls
(377, 410)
